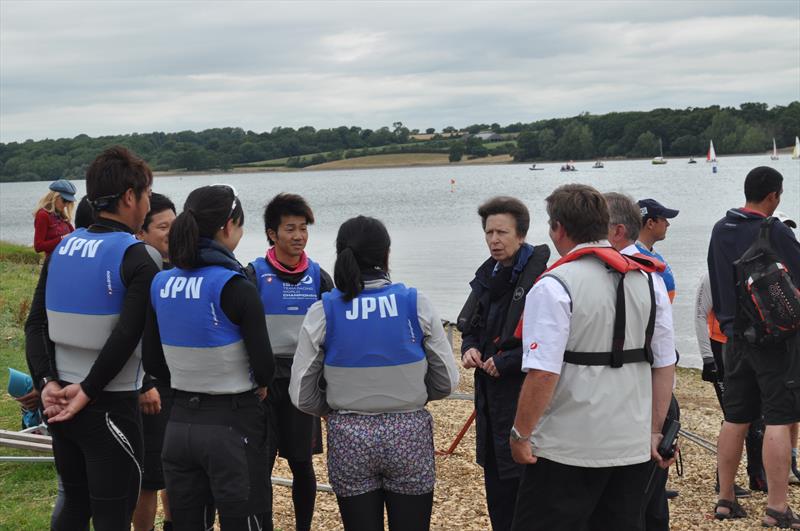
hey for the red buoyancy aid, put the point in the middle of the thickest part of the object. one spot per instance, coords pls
(612, 258)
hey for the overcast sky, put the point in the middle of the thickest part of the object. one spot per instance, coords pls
(111, 67)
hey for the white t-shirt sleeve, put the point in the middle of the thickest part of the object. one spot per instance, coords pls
(545, 326)
(663, 342)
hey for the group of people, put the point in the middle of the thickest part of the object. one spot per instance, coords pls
(161, 361)
(178, 367)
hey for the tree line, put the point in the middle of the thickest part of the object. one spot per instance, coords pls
(748, 129)
(682, 132)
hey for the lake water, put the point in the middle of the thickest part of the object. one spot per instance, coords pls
(437, 241)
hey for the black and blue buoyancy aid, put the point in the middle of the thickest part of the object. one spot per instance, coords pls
(285, 303)
(203, 349)
(84, 297)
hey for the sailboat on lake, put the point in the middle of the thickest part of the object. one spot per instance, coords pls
(712, 155)
(660, 158)
(796, 150)
(774, 155)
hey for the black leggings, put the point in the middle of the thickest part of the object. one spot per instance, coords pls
(304, 493)
(98, 455)
(304, 490)
(406, 512)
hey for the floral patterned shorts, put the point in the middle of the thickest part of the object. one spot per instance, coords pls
(391, 451)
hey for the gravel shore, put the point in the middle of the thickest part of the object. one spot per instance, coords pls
(459, 500)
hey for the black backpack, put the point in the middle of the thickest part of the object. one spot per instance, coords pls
(768, 299)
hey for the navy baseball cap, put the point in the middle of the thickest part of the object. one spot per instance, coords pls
(651, 208)
(65, 188)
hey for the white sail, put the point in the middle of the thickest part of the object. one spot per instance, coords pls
(660, 158)
(774, 155)
(796, 150)
(712, 155)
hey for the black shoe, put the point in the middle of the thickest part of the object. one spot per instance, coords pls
(671, 494)
(758, 483)
(738, 491)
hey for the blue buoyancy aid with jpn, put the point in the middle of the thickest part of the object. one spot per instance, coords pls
(84, 297)
(374, 356)
(285, 304)
(203, 349)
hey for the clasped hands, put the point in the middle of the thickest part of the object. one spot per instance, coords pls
(472, 359)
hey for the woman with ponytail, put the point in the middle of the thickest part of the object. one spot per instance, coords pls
(217, 358)
(383, 354)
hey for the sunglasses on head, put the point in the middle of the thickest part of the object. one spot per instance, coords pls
(235, 195)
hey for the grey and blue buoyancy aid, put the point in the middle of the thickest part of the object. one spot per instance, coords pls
(203, 349)
(285, 304)
(80, 321)
(374, 358)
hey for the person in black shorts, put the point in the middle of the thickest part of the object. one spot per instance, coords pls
(155, 397)
(289, 283)
(217, 358)
(759, 379)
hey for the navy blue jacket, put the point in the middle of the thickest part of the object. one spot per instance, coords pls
(496, 398)
(730, 238)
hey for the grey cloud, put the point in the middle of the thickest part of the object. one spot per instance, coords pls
(72, 67)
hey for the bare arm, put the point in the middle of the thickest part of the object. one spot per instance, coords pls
(537, 391)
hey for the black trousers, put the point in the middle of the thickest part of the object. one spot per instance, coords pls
(656, 514)
(215, 448)
(555, 497)
(501, 494)
(98, 456)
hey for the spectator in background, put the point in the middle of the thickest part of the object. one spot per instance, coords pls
(759, 378)
(53, 216)
(794, 473)
(624, 228)
(155, 396)
(711, 341)
(655, 222)
(489, 346)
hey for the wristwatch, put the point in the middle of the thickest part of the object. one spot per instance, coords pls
(46, 380)
(517, 436)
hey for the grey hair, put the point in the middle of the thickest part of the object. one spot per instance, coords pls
(623, 210)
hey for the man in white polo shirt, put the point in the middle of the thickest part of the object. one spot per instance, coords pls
(600, 368)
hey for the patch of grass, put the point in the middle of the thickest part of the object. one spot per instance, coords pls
(27, 490)
(377, 161)
(18, 254)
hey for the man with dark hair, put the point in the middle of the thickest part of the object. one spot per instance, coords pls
(655, 222)
(760, 379)
(487, 324)
(85, 347)
(155, 396)
(597, 388)
(289, 283)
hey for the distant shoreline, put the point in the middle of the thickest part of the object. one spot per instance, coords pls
(421, 160)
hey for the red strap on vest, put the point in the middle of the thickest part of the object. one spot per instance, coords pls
(612, 258)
